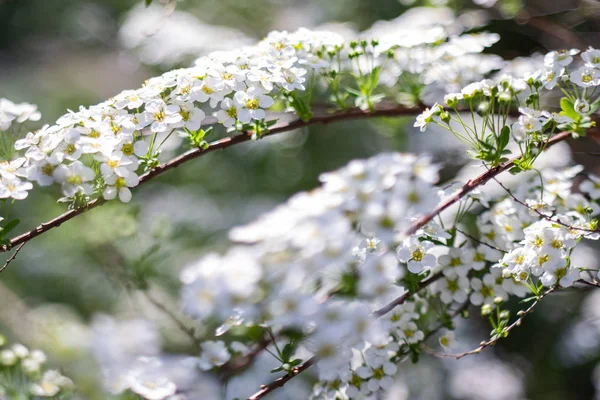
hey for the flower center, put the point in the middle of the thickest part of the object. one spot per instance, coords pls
(75, 180)
(232, 112)
(48, 169)
(127, 149)
(252, 104)
(418, 254)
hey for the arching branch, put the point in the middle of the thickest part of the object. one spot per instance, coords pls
(383, 110)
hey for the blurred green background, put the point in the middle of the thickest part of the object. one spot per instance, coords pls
(60, 54)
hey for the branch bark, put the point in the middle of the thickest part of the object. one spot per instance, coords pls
(383, 110)
(482, 179)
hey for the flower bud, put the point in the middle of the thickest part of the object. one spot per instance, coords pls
(498, 300)
(445, 116)
(486, 309)
(504, 97)
(483, 108)
(7, 358)
(505, 314)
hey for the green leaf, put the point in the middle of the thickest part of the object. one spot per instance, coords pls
(288, 351)
(568, 109)
(504, 138)
(594, 106)
(10, 225)
(148, 2)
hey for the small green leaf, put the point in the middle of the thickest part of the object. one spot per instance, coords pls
(568, 109)
(504, 138)
(10, 225)
(148, 2)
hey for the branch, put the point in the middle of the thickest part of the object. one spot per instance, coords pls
(400, 300)
(482, 179)
(12, 257)
(544, 216)
(383, 110)
(506, 331)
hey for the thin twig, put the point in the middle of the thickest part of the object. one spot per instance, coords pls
(12, 257)
(482, 179)
(506, 331)
(190, 332)
(544, 216)
(237, 364)
(473, 238)
(594, 283)
(277, 383)
(400, 300)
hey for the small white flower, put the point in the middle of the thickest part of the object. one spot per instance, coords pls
(251, 104)
(213, 354)
(585, 77)
(416, 254)
(448, 340)
(118, 185)
(74, 178)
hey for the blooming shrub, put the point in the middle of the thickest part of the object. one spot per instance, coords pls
(355, 275)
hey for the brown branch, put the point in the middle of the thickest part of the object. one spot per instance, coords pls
(237, 364)
(595, 283)
(482, 179)
(506, 331)
(400, 300)
(383, 110)
(266, 389)
(12, 257)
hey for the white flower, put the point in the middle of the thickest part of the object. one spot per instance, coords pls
(227, 115)
(210, 89)
(129, 99)
(518, 259)
(551, 76)
(50, 385)
(453, 289)
(152, 386)
(191, 117)
(251, 104)
(415, 254)
(447, 340)
(161, 116)
(410, 333)
(591, 57)
(118, 164)
(585, 77)
(42, 171)
(74, 177)
(14, 188)
(264, 78)
(426, 117)
(591, 186)
(213, 354)
(455, 262)
(564, 276)
(119, 185)
(561, 58)
(529, 124)
(581, 106)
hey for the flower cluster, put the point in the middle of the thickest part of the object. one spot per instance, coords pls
(23, 374)
(102, 150)
(543, 246)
